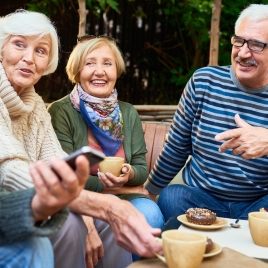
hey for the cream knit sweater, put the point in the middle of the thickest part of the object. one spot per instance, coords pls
(26, 135)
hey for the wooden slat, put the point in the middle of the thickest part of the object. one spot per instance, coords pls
(159, 141)
(155, 135)
(149, 140)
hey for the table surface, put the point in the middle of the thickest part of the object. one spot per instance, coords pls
(238, 239)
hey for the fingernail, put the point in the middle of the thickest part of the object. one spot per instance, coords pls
(220, 150)
(107, 174)
(100, 174)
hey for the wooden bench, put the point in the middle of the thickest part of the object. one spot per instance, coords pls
(155, 136)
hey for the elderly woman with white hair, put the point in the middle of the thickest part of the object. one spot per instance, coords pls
(28, 50)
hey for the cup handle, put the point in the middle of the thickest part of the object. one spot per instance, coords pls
(160, 257)
(129, 168)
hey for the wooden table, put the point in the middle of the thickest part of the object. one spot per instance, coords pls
(228, 258)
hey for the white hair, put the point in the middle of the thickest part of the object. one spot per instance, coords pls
(254, 12)
(29, 23)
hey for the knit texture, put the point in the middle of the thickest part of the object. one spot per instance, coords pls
(17, 221)
(207, 107)
(26, 135)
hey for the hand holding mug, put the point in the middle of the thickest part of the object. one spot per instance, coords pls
(113, 172)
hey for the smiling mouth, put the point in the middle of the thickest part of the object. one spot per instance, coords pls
(98, 82)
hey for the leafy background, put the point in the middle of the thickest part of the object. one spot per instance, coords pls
(163, 41)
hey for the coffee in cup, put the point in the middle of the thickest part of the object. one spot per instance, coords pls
(182, 249)
(113, 165)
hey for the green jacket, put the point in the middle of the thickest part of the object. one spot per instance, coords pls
(71, 130)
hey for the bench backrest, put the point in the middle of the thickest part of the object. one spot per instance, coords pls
(155, 136)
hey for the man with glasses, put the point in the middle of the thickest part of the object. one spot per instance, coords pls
(221, 123)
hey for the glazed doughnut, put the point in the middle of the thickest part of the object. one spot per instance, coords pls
(201, 216)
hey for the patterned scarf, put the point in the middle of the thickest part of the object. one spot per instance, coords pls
(102, 116)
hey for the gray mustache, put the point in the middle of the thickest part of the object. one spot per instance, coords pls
(251, 62)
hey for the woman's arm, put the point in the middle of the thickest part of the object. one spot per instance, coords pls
(134, 144)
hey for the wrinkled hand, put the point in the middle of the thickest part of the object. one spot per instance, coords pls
(52, 194)
(108, 180)
(132, 230)
(94, 247)
(251, 142)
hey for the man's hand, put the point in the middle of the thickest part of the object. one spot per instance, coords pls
(94, 247)
(131, 230)
(52, 194)
(251, 142)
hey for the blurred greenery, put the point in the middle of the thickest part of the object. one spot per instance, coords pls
(175, 50)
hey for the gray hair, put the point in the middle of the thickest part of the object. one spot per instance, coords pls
(254, 12)
(29, 23)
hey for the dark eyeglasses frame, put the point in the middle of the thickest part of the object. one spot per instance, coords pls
(87, 37)
(248, 43)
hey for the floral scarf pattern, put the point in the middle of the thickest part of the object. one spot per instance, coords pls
(103, 117)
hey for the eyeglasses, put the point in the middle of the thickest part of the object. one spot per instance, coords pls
(253, 45)
(90, 37)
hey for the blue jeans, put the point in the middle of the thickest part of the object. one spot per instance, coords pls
(150, 210)
(35, 252)
(175, 199)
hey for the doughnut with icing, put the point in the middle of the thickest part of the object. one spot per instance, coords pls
(201, 216)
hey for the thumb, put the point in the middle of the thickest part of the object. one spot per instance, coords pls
(240, 122)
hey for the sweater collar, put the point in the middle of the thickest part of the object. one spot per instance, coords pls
(246, 89)
(16, 105)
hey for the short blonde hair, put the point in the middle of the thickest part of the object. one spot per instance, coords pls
(29, 23)
(83, 48)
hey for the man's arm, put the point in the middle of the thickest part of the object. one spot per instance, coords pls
(129, 226)
(21, 210)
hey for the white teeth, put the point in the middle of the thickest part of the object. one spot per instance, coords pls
(98, 82)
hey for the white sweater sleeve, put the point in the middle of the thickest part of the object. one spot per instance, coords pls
(14, 161)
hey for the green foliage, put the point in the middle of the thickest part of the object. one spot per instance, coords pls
(50, 7)
(181, 47)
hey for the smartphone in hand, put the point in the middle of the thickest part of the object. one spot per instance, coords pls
(92, 155)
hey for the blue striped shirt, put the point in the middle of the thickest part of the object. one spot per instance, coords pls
(207, 107)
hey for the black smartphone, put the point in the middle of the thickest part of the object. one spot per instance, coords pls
(92, 155)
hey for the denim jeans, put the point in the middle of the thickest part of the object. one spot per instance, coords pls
(35, 252)
(175, 199)
(150, 210)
